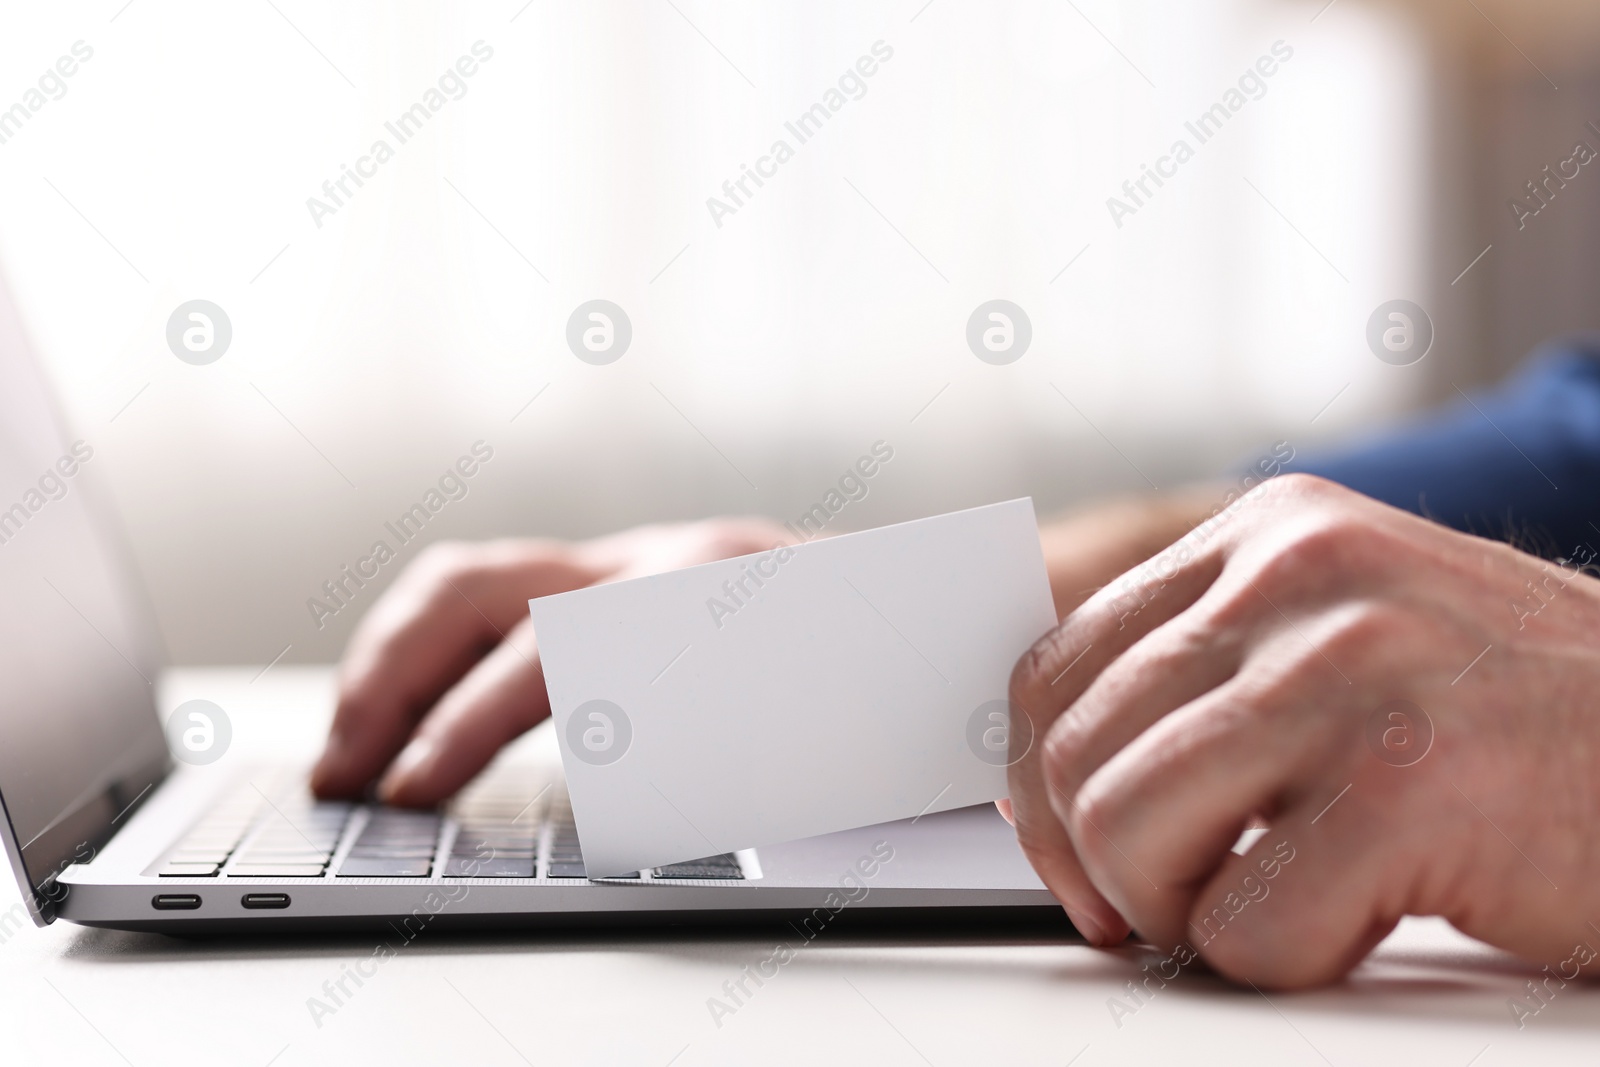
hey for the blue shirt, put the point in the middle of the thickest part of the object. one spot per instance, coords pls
(1520, 462)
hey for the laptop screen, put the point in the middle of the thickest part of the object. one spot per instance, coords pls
(79, 737)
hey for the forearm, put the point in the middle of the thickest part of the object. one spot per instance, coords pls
(1520, 462)
(1490, 465)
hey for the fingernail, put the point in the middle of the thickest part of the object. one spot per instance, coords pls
(1091, 930)
(405, 767)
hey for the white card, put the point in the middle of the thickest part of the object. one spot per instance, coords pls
(834, 684)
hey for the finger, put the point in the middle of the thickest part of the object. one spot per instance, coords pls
(1049, 678)
(1178, 662)
(1308, 900)
(1159, 818)
(1156, 676)
(449, 609)
(498, 700)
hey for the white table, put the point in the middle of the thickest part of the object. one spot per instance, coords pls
(78, 996)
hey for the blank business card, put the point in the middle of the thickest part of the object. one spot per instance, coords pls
(813, 688)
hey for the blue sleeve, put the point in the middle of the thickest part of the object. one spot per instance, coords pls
(1521, 462)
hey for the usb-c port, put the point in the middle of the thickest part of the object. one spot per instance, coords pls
(175, 901)
(265, 900)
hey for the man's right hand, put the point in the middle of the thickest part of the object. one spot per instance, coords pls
(444, 670)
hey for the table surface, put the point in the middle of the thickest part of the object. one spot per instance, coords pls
(1426, 996)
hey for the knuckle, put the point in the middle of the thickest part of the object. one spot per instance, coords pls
(1023, 675)
(1030, 677)
(1324, 549)
(1299, 486)
(1042, 840)
(513, 550)
(1061, 744)
(1314, 548)
(1091, 811)
(1063, 771)
(1364, 631)
(445, 560)
(516, 559)
(1171, 647)
(724, 538)
(1060, 755)
(447, 567)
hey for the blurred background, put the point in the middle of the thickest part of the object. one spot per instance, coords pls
(374, 344)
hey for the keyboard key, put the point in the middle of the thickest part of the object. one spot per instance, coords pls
(482, 843)
(278, 861)
(199, 855)
(471, 867)
(393, 844)
(358, 867)
(387, 826)
(291, 843)
(276, 870)
(188, 870)
(379, 831)
(564, 870)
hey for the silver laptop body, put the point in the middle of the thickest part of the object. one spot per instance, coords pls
(103, 829)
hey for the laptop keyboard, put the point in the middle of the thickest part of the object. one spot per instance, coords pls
(292, 840)
(393, 844)
(497, 829)
(214, 840)
(497, 834)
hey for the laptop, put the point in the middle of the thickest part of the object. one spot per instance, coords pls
(103, 828)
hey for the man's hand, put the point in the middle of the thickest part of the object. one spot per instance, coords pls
(1413, 713)
(444, 670)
